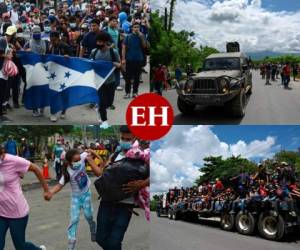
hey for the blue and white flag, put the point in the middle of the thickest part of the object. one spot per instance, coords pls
(62, 82)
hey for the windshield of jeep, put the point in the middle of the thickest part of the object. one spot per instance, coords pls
(221, 63)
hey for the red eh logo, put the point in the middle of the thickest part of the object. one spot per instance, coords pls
(149, 116)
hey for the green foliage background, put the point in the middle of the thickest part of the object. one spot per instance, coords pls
(173, 48)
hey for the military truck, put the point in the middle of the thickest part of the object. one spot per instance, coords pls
(225, 79)
(273, 219)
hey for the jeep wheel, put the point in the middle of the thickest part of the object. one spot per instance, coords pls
(227, 222)
(184, 107)
(245, 223)
(238, 104)
(250, 89)
(271, 227)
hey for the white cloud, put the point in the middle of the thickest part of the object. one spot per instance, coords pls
(176, 162)
(217, 22)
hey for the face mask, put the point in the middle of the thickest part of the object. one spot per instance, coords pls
(100, 46)
(47, 29)
(36, 36)
(72, 25)
(125, 145)
(76, 165)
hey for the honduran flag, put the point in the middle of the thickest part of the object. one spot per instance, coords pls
(62, 82)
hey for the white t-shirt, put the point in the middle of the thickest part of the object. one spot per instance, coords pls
(79, 180)
(14, 18)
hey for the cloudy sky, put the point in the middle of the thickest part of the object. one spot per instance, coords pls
(175, 160)
(259, 25)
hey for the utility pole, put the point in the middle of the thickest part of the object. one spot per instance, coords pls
(172, 8)
(166, 19)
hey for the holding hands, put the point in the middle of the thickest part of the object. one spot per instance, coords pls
(47, 196)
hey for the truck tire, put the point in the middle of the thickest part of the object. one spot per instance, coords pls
(250, 91)
(170, 214)
(245, 223)
(238, 104)
(175, 215)
(227, 222)
(271, 227)
(185, 108)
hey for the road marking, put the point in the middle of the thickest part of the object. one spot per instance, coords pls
(48, 226)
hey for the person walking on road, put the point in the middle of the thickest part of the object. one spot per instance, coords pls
(57, 153)
(106, 92)
(295, 71)
(133, 59)
(287, 75)
(11, 146)
(14, 209)
(268, 73)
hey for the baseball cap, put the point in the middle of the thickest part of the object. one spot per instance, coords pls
(52, 12)
(36, 29)
(11, 30)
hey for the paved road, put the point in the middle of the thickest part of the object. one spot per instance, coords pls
(170, 235)
(269, 104)
(48, 223)
(81, 114)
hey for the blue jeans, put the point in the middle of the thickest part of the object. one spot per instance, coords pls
(84, 202)
(17, 229)
(112, 222)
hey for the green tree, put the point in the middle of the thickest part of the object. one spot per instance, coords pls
(217, 167)
(290, 157)
(173, 48)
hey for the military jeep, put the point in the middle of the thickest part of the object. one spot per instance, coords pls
(225, 79)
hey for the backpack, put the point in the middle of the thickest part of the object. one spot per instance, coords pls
(109, 185)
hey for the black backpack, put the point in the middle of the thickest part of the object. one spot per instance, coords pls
(109, 185)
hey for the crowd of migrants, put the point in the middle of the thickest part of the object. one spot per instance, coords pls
(272, 71)
(71, 162)
(281, 184)
(110, 30)
(55, 153)
(163, 80)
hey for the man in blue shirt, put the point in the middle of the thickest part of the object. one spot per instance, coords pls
(89, 40)
(133, 58)
(11, 146)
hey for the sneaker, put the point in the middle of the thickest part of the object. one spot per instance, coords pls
(53, 118)
(4, 119)
(8, 106)
(42, 247)
(104, 125)
(119, 88)
(134, 95)
(62, 116)
(16, 106)
(4, 109)
(36, 113)
(126, 96)
(112, 107)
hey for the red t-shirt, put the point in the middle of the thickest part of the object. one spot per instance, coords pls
(159, 75)
(219, 185)
(286, 70)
